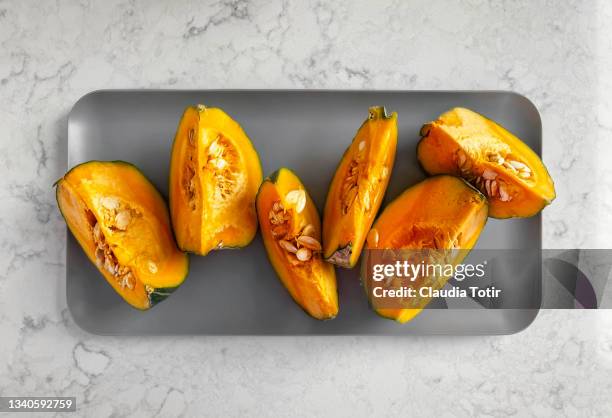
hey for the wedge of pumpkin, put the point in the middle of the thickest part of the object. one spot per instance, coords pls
(465, 143)
(358, 187)
(122, 224)
(214, 176)
(291, 232)
(443, 215)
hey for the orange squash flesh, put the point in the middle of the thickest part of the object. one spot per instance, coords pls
(464, 143)
(214, 176)
(441, 213)
(282, 217)
(358, 187)
(132, 223)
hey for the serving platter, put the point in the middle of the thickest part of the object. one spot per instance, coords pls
(236, 292)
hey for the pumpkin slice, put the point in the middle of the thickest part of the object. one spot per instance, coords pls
(122, 224)
(500, 165)
(291, 232)
(443, 214)
(358, 188)
(214, 176)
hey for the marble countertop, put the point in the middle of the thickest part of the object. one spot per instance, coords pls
(52, 53)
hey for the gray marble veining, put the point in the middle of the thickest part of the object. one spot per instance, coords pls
(52, 53)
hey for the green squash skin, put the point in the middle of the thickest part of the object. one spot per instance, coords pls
(160, 294)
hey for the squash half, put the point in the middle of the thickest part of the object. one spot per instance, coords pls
(358, 187)
(464, 143)
(291, 233)
(121, 222)
(443, 214)
(214, 176)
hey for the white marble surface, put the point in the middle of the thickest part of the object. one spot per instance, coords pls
(54, 52)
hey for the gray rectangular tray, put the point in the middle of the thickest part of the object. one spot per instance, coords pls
(236, 291)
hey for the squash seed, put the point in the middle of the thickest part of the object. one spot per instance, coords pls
(303, 254)
(110, 203)
(152, 267)
(125, 281)
(122, 220)
(297, 198)
(309, 242)
(489, 174)
(493, 188)
(308, 230)
(503, 194)
(517, 164)
(99, 256)
(509, 166)
(287, 246)
(221, 156)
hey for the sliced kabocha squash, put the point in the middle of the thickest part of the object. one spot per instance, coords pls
(291, 233)
(214, 176)
(358, 188)
(500, 165)
(443, 216)
(122, 223)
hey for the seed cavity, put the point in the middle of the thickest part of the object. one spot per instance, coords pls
(488, 181)
(188, 180)
(116, 214)
(106, 259)
(221, 160)
(350, 185)
(299, 247)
